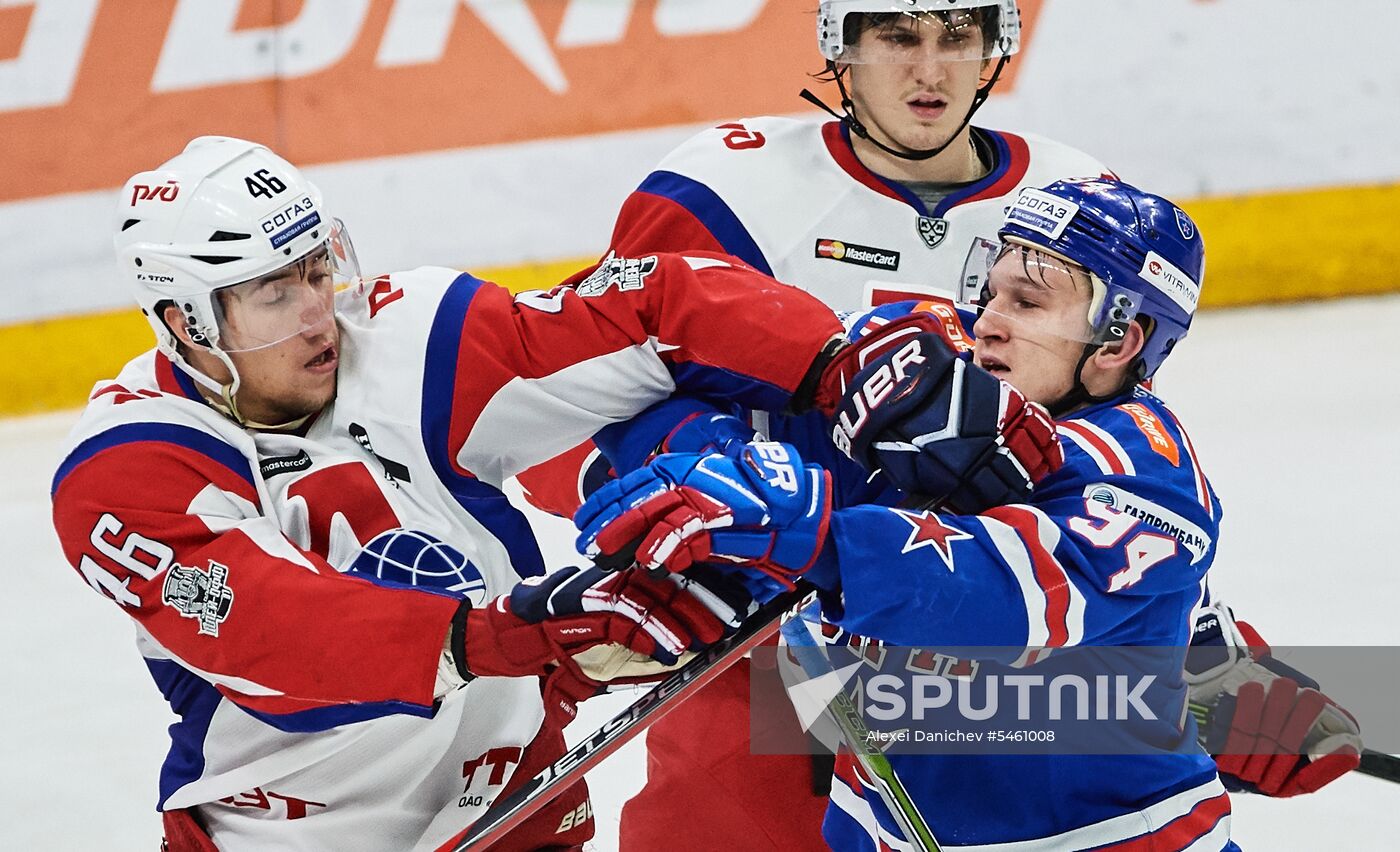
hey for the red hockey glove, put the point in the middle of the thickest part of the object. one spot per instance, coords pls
(832, 378)
(599, 626)
(1270, 728)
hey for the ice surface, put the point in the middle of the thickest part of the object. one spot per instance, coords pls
(1293, 411)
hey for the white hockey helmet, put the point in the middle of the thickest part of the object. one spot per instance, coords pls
(1000, 30)
(223, 212)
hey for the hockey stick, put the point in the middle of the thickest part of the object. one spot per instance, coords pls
(510, 811)
(857, 737)
(1378, 764)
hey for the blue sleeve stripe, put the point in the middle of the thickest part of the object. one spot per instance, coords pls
(706, 205)
(170, 433)
(325, 718)
(480, 500)
(707, 381)
(194, 701)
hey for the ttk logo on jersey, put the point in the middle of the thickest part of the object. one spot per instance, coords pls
(203, 596)
(620, 272)
(496, 761)
(875, 258)
(932, 230)
(258, 798)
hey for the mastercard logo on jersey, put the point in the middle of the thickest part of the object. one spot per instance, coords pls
(875, 258)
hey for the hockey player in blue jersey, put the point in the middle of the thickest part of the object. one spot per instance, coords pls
(1092, 286)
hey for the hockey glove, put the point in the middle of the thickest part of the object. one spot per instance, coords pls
(944, 429)
(1270, 728)
(601, 627)
(831, 376)
(708, 432)
(764, 510)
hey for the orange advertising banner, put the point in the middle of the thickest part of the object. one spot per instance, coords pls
(94, 90)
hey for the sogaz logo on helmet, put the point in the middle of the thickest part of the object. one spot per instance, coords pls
(291, 221)
(1041, 212)
(1177, 285)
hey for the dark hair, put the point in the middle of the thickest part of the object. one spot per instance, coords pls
(858, 24)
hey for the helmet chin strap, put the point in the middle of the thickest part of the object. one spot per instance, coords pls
(222, 397)
(847, 116)
(1078, 395)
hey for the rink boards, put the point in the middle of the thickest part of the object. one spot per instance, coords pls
(502, 136)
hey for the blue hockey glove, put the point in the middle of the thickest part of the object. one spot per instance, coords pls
(708, 432)
(765, 510)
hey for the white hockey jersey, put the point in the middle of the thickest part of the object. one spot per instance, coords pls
(292, 592)
(790, 197)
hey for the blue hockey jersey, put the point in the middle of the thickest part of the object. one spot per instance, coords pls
(1112, 550)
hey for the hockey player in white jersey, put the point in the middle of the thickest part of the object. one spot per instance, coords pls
(295, 496)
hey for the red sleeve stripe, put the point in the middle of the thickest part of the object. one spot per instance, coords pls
(1195, 820)
(1026, 540)
(1100, 446)
(1202, 489)
(845, 769)
(172, 380)
(1197, 828)
(848, 797)
(710, 222)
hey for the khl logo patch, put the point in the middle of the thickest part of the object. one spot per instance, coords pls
(932, 230)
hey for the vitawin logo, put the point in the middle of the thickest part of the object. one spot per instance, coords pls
(875, 258)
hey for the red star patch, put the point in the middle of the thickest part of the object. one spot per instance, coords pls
(930, 531)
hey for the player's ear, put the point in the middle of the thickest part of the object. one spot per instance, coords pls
(1121, 355)
(175, 321)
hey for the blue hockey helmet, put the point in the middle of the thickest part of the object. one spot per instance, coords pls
(1143, 252)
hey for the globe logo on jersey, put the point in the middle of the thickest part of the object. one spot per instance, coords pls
(415, 558)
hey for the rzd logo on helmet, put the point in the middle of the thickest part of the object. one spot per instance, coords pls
(168, 191)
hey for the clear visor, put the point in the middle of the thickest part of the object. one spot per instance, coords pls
(297, 299)
(918, 38)
(1030, 292)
